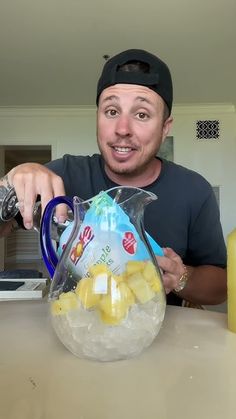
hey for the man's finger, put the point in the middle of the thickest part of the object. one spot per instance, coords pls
(51, 187)
(26, 196)
(61, 213)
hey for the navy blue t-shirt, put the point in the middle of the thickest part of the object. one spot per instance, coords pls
(185, 216)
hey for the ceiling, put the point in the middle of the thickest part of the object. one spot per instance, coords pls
(52, 50)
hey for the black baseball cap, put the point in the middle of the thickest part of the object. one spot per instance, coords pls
(158, 78)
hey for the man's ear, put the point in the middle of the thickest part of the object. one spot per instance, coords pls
(166, 127)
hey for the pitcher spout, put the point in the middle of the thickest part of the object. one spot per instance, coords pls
(132, 200)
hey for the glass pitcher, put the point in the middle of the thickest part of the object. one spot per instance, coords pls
(107, 300)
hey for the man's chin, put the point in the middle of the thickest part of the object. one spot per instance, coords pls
(122, 170)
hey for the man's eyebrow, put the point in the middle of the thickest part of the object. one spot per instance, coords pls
(111, 97)
(137, 98)
(144, 99)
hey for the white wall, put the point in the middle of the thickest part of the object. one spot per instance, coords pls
(66, 130)
(214, 159)
(73, 130)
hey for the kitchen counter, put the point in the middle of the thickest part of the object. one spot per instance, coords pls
(189, 372)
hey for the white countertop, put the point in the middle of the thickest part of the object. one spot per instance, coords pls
(189, 372)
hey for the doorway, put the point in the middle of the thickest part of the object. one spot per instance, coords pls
(22, 248)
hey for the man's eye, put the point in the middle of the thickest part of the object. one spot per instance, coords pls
(111, 112)
(142, 115)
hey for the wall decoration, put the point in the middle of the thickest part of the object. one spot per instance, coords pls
(208, 129)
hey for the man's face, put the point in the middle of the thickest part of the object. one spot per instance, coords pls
(130, 128)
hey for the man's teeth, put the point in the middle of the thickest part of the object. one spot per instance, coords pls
(122, 149)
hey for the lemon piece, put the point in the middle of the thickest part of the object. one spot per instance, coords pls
(140, 288)
(151, 275)
(87, 292)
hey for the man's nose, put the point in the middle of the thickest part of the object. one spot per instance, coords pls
(123, 126)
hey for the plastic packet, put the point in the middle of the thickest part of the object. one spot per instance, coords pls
(106, 236)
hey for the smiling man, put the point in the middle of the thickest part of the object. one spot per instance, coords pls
(134, 99)
(131, 128)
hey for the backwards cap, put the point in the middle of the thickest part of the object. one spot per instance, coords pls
(158, 78)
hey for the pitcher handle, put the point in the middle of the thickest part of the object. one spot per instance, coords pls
(48, 252)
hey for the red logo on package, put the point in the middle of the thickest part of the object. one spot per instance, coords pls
(86, 236)
(129, 243)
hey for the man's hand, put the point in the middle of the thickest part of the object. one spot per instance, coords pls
(207, 284)
(173, 268)
(30, 180)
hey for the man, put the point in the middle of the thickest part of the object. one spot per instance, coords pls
(134, 98)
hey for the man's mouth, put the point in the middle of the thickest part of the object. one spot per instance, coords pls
(123, 150)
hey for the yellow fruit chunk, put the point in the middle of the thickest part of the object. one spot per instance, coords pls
(67, 301)
(151, 275)
(126, 294)
(134, 266)
(87, 293)
(112, 321)
(56, 308)
(113, 308)
(140, 288)
(118, 278)
(100, 268)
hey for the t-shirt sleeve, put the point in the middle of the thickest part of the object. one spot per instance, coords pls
(82, 175)
(56, 166)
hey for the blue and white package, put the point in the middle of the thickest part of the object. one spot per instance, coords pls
(106, 235)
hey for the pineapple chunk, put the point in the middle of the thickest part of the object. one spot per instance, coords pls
(118, 278)
(56, 308)
(98, 269)
(140, 288)
(112, 321)
(112, 310)
(134, 266)
(87, 292)
(67, 301)
(126, 294)
(151, 275)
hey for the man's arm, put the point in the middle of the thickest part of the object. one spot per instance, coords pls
(30, 180)
(206, 284)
